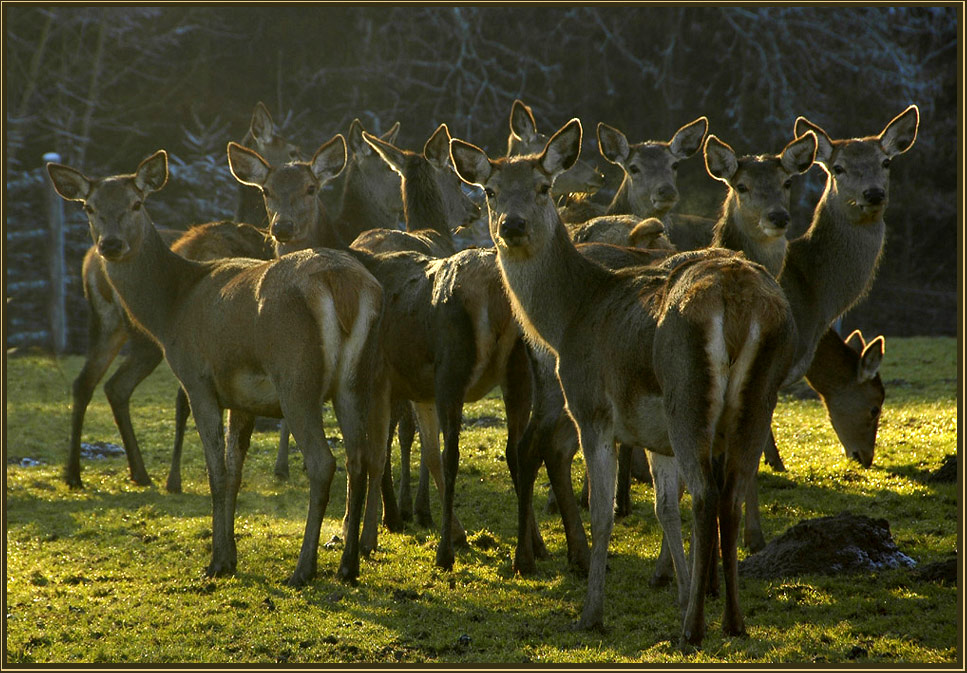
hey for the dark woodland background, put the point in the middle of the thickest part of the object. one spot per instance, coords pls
(106, 86)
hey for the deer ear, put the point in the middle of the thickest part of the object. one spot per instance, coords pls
(522, 123)
(720, 160)
(856, 342)
(613, 144)
(69, 183)
(329, 159)
(389, 152)
(355, 139)
(390, 136)
(152, 173)
(470, 162)
(437, 148)
(871, 359)
(900, 134)
(824, 146)
(262, 127)
(563, 149)
(689, 138)
(799, 154)
(247, 165)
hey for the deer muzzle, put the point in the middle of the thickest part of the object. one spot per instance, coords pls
(513, 230)
(111, 248)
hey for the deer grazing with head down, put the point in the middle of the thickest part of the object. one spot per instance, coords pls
(450, 334)
(271, 338)
(679, 355)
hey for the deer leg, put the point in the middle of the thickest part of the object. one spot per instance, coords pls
(406, 429)
(182, 411)
(208, 421)
(450, 414)
(523, 468)
(665, 477)
(375, 463)
(282, 457)
(601, 460)
(754, 539)
(772, 457)
(623, 489)
(104, 342)
(237, 440)
(143, 359)
(558, 444)
(392, 518)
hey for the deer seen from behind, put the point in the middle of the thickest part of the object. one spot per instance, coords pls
(254, 337)
(681, 354)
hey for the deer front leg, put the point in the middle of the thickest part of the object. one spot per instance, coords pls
(429, 425)
(240, 426)
(208, 421)
(182, 411)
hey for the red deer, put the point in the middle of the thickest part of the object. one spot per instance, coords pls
(634, 350)
(263, 136)
(109, 329)
(450, 334)
(254, 337)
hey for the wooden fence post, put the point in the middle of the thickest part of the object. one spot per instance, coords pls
(56, 306)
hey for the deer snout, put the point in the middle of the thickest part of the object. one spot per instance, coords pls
(283, 230)
(512, 229)
(664, 195)
(111, 247)
(779, 219)
(874, 195)
(863, 459)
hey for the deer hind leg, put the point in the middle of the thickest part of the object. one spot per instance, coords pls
(665, 476)
(392, 517)
(558, 445)
(623, 492)
(375, 464)
(405, 431)
(450, 414)
(104, 342)
(182, 412)
(429, 425)
(143, 359)
(281, 469)
(237, 440)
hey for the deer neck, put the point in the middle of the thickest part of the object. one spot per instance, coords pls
(423, 206)
(151, 282)
(552, 289)
(624, 204)
(827, 270)
(360, 211)
(731, 233)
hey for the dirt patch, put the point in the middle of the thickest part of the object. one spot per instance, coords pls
(845, 543)
(942, 572)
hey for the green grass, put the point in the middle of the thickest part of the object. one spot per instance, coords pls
(113, 573)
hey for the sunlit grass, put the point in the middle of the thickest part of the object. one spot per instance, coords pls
(113, 572)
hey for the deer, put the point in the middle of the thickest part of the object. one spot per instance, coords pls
(109, 329)
(581, 179)
(253, 337)
(450, 336)
(622, 230)
(633, 352)
(265, 137)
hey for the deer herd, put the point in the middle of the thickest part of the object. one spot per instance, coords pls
(612, 328)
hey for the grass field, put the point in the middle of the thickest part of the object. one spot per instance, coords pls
(113, 573)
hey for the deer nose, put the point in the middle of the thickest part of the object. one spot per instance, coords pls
(874, 195)
(283, 230)
(779, 219)
(513, 227)
(666, 193)
(110, 247)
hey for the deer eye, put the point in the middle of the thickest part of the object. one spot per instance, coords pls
(489, 192)
(544, 188)
(634, 170)
(886, 163)
(136, 205)
(88, 209)
(787, 184)
(675, 166)
(838, 169)
(741, 188)
(310, 190)
(294, 155)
